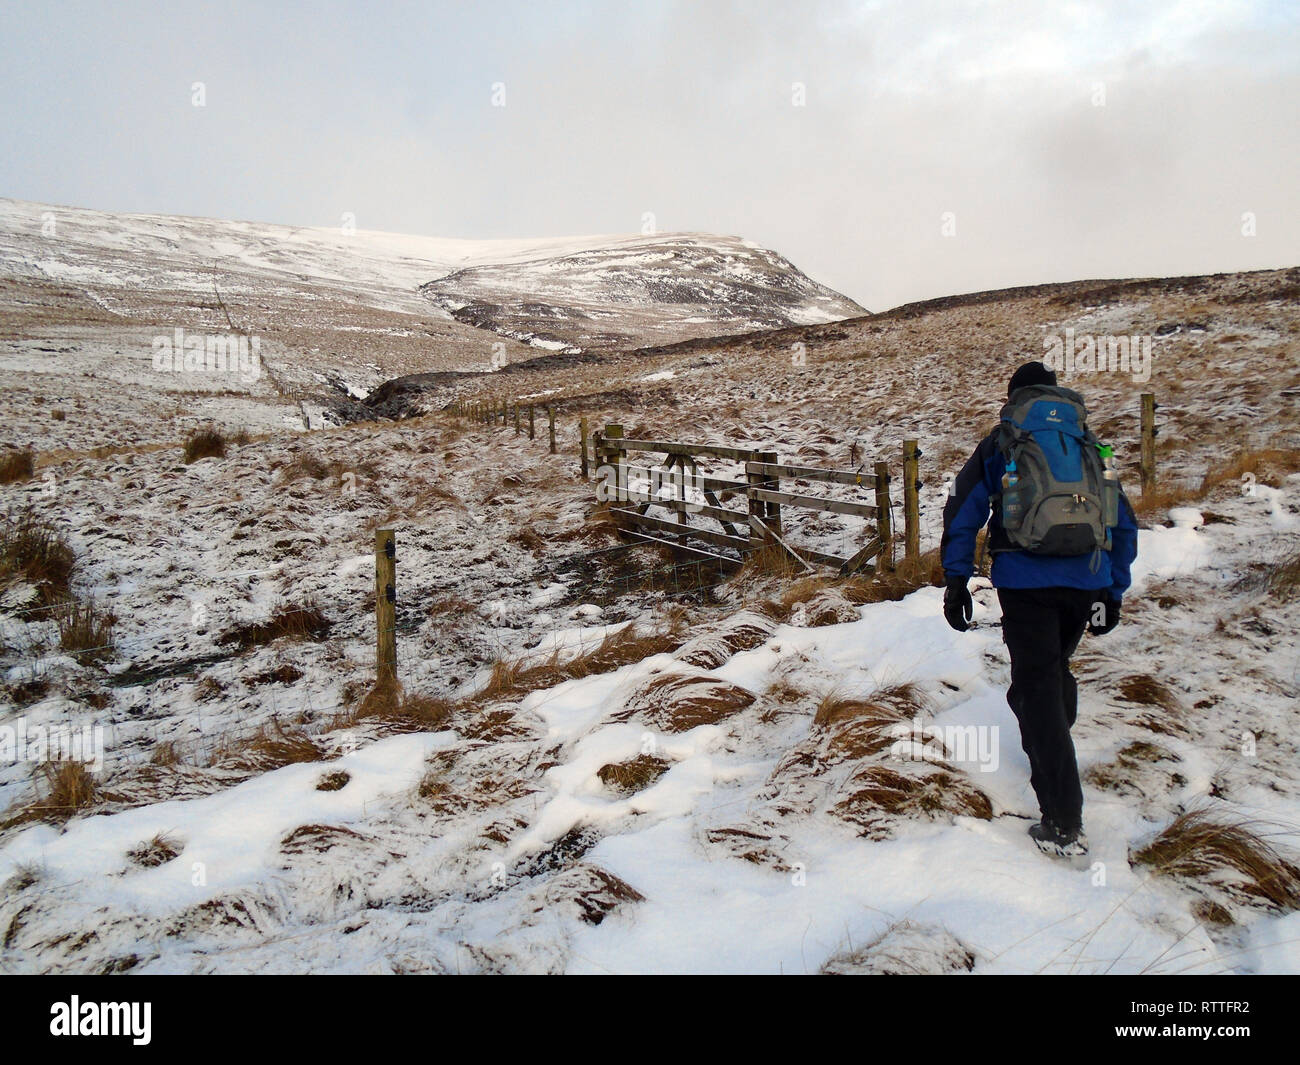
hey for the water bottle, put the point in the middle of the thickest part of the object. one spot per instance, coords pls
(1013, 510)
(1110, 484)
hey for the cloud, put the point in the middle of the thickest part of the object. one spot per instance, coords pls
(913, 109)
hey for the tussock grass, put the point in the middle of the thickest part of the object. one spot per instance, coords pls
(785, 693)
(317, 839)
(854, 728)
(158, 851)
(898, 702)
(296, 621)
(824, 596)
(741, 632)
(306, 465)
(905, 578)
(1263, 463)
(389, 703)
(35, 550)
(1279, 579)
(205, 442)
(620, 647)
(1258, 461)
(634, 774)
(273, 747)
(1198, 847)
(85, 630)
(769, 561)
(17, 465)
(1164, 713)
(25, 875)
(284, 673)
(904, 949)
(594, 892)
(167, 753)
(63, 789)
(1146, 690)
(598, 528)
(881, 793)
(678, 702)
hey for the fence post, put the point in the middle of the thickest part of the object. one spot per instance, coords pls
(550, 417)
(613, 452)
(772, 511)
(532, 426)
(582, 445)
(385, 605)
(516, 417)
(911, 502)
(757, 508)
(884, 517)
(1148, 442)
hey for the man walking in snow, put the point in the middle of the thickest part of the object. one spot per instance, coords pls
(1062, 536)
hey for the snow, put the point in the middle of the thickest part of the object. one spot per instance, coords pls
(978, 880)
(1165, 552)
(229, 839)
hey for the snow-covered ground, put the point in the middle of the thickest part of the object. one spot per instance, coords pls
(737, 857)
(502, 840)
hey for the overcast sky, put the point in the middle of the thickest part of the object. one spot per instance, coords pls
(1067, 140)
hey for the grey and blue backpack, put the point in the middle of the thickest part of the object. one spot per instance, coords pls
(1053, 498)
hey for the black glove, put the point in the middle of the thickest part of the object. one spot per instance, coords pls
(1104, 616)
(957, 605)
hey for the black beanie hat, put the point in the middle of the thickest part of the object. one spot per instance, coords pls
(1031, 373)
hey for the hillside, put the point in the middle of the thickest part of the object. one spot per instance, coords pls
(591, 769)
(86, 294)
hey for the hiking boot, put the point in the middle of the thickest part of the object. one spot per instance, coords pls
(1058, 842)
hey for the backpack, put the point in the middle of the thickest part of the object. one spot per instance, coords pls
(1053, 493)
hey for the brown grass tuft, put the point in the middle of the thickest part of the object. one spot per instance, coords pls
(1146, 690)
(274, 747)
(881, 793)
(1197, 847)
(388, 702)
(205, 442)
(69, 787)
(621, 647)
(858, 727)
(158, 851)
(17, 466)
(296, 621)
(1280, 578)
(34, 550)
(1259, 462)
(85, 631)
(678, 702)
(635, 774)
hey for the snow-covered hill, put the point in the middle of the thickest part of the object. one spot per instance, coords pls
(85, 295)
(639, 292)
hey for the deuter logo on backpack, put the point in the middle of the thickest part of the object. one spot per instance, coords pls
(1060, 494)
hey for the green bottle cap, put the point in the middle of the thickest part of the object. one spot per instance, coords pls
(1106, 451)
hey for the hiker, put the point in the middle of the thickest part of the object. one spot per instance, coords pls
(1062, 537)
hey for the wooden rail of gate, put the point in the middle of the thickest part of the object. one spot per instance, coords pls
(760, 524)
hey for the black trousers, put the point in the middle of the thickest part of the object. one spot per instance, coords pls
(1042, 628)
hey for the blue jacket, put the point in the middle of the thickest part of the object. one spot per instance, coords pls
(970, 508)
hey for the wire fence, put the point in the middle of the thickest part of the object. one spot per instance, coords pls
(283, 691)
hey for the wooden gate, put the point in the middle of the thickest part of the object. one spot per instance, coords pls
(702, 522)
